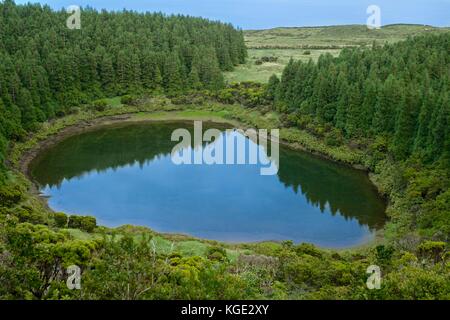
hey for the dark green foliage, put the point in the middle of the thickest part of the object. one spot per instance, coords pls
(309, 249)
(248, 94)
(384, 255)
(398, 91)
(85, 223)
(334, 138)
(272, 87)
(10, 194)
(217, 254)
(35, 258)
(396, 99)
(61, 219)
(432, 250)
(130, 269)
(99, 105)
(128, 100)
(46, 69)
(265, 59)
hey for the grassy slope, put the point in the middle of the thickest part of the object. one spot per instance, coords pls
(286, 43)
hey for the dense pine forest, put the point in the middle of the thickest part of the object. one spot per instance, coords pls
(47, 68)
(392, 102)
(385, 108)
(397, 92)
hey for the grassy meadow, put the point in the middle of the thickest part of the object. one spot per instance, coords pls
(309, 43)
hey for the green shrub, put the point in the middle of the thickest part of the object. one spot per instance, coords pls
(29, 214)
(85, 223)
(334, 138)
(60, 219)
(99, 105)
(433, 250)
(10, 195)
(128, 100)
(217, 254)
(384, 254)
(307, 248)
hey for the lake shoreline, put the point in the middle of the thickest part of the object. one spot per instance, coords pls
(85, 125)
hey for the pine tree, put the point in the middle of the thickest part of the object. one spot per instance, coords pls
(440, 129)
(272, 87)
(194, 79)
(370, 94)
(341, 112)
(424, 119)
(172, 79)
(106, 72)
(353, 114)
(324, 97)
(27, 109)
(404, 131)
(386, 107)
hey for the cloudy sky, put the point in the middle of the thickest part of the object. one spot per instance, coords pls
(260, 14)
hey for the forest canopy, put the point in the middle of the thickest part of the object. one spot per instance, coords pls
(46, 68)
(387, 107)
(398, 93)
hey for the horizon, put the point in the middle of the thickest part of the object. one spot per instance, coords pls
(269, 14)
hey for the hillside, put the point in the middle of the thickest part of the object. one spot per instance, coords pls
(384, 109)
(310, 42)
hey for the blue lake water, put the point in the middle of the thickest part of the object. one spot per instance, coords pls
(124, 174)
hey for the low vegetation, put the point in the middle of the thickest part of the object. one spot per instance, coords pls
(38, 245)
(178, 267)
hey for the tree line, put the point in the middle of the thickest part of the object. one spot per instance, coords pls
(396, 93)
(47, 68)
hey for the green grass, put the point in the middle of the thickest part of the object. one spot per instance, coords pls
(82, 235)
(114, 102)
(286, 43)
(342, 36)
(189, 114)
(261, 73)
(164, 244)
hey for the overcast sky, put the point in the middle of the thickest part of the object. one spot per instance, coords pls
(261, 14)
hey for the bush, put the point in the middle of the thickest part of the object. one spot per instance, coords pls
(217, 254)
(128, 100)
(289, 120)
(309, 249)
(99, 105)
(29, 214)
(266, 59)
(384, 254)
(85, 223)
(60, 219)
(10, 195)
(334, 138)
(433, 250)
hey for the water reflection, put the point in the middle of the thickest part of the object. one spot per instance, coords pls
(123, 174)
